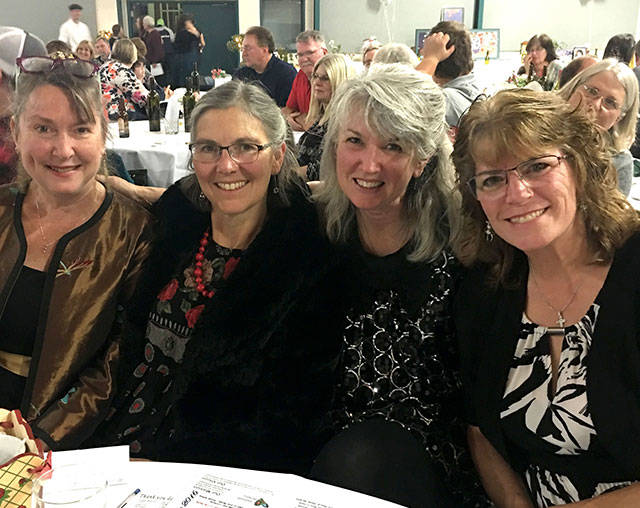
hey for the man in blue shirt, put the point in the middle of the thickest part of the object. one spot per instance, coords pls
(260, 64)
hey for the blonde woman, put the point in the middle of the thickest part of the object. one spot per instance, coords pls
(85, 50)
(328, 73)
(608, 93)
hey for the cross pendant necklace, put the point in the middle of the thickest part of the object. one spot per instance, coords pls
(560, 312)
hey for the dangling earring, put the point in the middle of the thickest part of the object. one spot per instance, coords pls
(488, 232)
(201, 196)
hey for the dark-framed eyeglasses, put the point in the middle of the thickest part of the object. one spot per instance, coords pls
(43, 64)
(241, 153)
(493, 184)
(609, 103)
(320, 77)
(307, 54)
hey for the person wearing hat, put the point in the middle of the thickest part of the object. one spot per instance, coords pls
(73, 31)
(14, 43)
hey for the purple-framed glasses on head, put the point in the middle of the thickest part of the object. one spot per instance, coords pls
(44, 64)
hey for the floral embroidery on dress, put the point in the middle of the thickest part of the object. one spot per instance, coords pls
(78, 264)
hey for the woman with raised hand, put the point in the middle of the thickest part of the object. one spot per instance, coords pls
(70, 254)
(548, 314)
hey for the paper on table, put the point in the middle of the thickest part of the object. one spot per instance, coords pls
(111, 460)
(221, 487)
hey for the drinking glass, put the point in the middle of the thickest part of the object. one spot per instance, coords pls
(73, 486)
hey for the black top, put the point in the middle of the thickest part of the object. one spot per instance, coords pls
(254, 383)
(276, 79)
(18, 327)
(488, 320)
(400, 360)
(186, 42)
(310, 150)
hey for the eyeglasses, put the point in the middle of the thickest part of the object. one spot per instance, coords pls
(307, 54)
(608, 103)
(493, 184)
(43, 64)
(242, 153)
(320, 77)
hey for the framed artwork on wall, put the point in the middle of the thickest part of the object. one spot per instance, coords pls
(485, 40)
(452, 14)
(421, 33)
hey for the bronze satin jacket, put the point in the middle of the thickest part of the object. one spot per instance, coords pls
(93, 271)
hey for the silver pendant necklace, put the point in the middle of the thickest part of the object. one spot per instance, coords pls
(560, 312)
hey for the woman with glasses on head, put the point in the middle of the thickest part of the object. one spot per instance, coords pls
(548, 316)
(231, 352)
(389, 205)
(608, 93)
(70, 253)
(328, 73)
(118, 80)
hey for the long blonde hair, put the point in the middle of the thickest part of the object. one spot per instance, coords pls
(339, 68)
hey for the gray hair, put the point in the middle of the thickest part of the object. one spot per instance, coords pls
(148, 21)
(254, 101)
(311, 35)
(395, 52)
(124, 51)
(397, 103)
(623, 132)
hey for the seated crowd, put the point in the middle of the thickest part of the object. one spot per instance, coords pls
(416, 301)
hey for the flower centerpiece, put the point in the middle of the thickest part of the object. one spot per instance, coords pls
(218, 73)
(234, 44)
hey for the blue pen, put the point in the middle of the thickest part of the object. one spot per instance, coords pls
(126, 500)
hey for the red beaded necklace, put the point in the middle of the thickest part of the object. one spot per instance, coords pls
(197, 272)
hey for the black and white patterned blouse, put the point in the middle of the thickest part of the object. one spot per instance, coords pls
(547, 423)
(400, 360)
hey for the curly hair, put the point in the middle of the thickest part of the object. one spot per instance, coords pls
(523, 124)
(399, 103)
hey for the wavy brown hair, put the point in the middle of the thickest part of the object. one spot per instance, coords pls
(523, 124)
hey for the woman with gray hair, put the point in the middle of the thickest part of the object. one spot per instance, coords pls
(395, 52)
(231, 353)
(389, 203)
(608, 93)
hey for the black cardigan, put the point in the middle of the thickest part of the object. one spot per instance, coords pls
(255, 385)
(488, 320)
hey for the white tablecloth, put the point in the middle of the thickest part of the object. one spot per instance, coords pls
(164, 156)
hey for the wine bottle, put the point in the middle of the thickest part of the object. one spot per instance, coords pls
(195, 78)
(153, 107)
(123, 119)
(188, 103)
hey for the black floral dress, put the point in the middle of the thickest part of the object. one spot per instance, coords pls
(171, 321)
(310, 150)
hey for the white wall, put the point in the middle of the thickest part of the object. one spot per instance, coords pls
(248, 14)
(570, 22)
(106, 14)
(348, 22)
(44, 17)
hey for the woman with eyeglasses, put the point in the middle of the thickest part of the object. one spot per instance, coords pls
(548, 315)
(328, 73)
(70, 254)
(608, 93)
(231, 354)
(389, 205)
